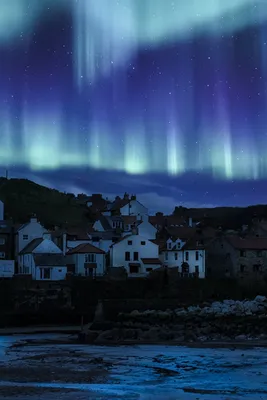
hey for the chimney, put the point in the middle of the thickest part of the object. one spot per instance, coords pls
(133, 197)
(33, 218)
(190, 222)
(126, 196)
(47, 235)
(159, 214)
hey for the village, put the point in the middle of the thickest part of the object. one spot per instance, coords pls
(125, 241)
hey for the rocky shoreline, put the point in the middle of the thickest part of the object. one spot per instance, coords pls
(218, 322)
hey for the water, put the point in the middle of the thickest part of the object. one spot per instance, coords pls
(80, 372)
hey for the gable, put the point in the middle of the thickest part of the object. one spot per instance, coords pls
(47, 246)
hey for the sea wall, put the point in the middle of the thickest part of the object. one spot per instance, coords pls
(217, 321)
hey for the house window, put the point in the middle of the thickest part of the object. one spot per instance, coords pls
(136, 256)
(45, 273)
(130, 242)
(242, 268)
(149, 269)
(259, 253)
(143, 243)
(134, 269)
(89, 258)
(178, 246)
(197, 256)
(170, 246)
(2, 241)
(127, 256)
(186, 255)
(95, 239)
(2, 254)
(166, 256)
(242, 253)
(176, 256)
(25, 237)
(197, 269)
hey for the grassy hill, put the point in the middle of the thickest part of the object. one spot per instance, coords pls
(226, 217)
(22, 198)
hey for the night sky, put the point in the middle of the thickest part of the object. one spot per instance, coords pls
(165, 99)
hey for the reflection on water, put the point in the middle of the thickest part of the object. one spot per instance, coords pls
(130, 372)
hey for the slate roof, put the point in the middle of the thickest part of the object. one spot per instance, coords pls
(31, 246)
(86, 248)
(50, 260)
(248, 243)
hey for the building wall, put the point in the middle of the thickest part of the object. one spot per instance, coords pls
(172, 258)
(221, 258)
(7, 268)
(251, 265)
(193, 263)
(1, 211)
(98, 226)
(79, 261)
(134, 208)
(168, 259)
(33, 230)
(57, 273)
(117, 252)
(47, 246)
(147, 230)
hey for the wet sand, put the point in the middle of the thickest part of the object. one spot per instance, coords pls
(34, 367)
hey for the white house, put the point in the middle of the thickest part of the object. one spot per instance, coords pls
(188, 257)
(171, 254)
(87, 260)
(129, 206)
(7, 268)
(1, 211)
(27, 233)
(146, 229)
(137, 254)
(43, 260)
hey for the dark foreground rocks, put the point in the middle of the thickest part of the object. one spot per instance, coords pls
(220, 321)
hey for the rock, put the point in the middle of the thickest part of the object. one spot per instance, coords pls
(135, 313)
(260, 299)
(104, 337)
(241, 337)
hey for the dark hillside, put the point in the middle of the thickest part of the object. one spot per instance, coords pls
(22, 198)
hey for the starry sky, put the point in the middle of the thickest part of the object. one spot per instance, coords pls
(162, 98)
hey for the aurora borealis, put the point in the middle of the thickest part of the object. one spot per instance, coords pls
(147, 90)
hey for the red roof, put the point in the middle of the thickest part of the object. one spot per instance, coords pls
(248, 243)
(151, 261)
(85, 248)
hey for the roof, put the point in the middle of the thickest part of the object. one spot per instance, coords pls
(248, 243)
(86, 248)
(118, 204)
(194, 244)
(167, 220)
(151, 261)
(129, 219)
(31, 246)
(104, 222)
(50, 260)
